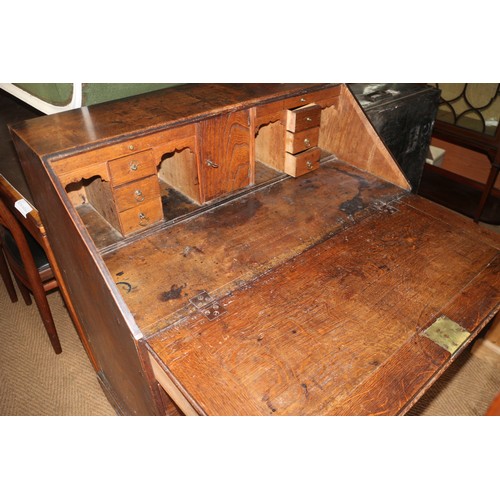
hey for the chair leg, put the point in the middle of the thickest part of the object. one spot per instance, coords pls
(24, 291)
(48, 320)
(7, 279)
(495, 168)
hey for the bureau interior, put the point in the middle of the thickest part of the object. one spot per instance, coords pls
(131, 192)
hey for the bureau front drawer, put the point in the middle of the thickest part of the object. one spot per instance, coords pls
(131, 167)
(141, 217)
(136, 193)
(295, 142)
(302, 163)
(303, 118)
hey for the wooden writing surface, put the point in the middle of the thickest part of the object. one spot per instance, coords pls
(236, 242)
(304, 338)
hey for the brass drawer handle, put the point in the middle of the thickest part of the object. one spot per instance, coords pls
(134, 166)
(143, 219)
(309, 119)
(138, 195)
(309, 165)
(303, 99)
(212, 164)
(307, 142)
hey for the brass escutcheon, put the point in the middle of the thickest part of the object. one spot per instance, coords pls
(212, 164)
(143, 219)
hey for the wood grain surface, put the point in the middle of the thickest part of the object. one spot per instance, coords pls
(347, 132)
(142, 114)
(225, 153)
(335, 331)
(236, 242)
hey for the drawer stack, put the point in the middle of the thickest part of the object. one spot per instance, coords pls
(136, 191)
(301, 140)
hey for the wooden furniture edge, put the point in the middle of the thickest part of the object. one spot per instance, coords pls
(186, 404)
(431, 358)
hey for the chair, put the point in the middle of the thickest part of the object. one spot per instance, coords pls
(469, 117)
(24, 246)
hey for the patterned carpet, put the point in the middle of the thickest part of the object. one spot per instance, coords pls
(35, 381)
(467, 388)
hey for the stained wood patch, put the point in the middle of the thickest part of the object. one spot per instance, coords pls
(234, 243)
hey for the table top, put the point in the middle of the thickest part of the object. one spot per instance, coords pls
(323, 311)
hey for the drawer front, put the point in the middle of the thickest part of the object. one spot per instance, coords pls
(302, 163)
(315, 97)
(140, 217)
(303, 118)
(131, 167)
(295, 142)
(136, 193)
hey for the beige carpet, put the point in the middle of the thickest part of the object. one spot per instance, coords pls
(466, 389)
(35, 381)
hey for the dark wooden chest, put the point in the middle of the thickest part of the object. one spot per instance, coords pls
(403, 114)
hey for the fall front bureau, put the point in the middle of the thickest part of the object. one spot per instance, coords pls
(253, 249)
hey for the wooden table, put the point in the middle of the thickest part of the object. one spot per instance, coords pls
(281, 276)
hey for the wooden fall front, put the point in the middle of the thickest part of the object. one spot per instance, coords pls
(253, 250)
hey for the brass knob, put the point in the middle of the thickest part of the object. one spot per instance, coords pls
(307, 142)
(138, 195)
(302, 99)
(309, 119)
(134, 166)
(131, 147)
(143, 219)
(212, 164)
(309, 165)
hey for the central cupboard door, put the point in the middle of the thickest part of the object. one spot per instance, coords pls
(225, 154)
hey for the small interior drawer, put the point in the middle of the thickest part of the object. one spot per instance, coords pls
(302, 100)
(141, 217)
(136, 193)
(295, 142)
(302, 163)
(303, 118)
(131, 167)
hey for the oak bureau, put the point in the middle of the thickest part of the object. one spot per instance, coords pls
(253, 249)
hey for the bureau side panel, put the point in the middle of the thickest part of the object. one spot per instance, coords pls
(106, 321)
(347, 132)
